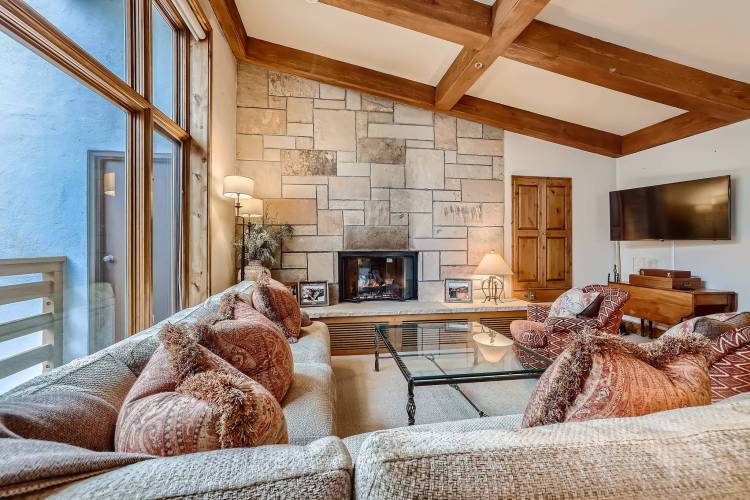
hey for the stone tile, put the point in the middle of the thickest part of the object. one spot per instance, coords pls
(420, 225)
(449, 232)
(334, 129)
(425, 169)
(376, 238)
(411, 200)
(445, 132)
(375, 117)
(330, 222)
(353, 169)
(349, 188)
(436, 244)
(490, 132)
(354, 217)
(466, 128)
(474, 159)
(278, 142)
(331, 92)
(353, 100)
(430, 266)
(303, 143)
(379, 193)
(313, 244)
(450, 157)
(456, 272)
(283, 84)
(282, 211)
(320, 266)
(384, 175)
(346, 205)
(446, 195)
(299, 129)
(482, 191)
(308, 162)
(377, 213)
(447, 213)
(360, 124)
(298, 191)
(304, 179)
(261, 121)
(271, 155)
(431, 291)
(275, 102)
(289, 274)
(487, 147)
(349, 156)
(453, 184)
(299, 110)
(392, 151)
(372, 103)
(498, 167)
(483, 240)
(267, 176)
(411, 143)
(249, 147)
(399, 219)
(294, 260)
(459, 170)
(453, 258)
(403, 113)
(328, 104)
(252, 86)
(321, 193)
(305, 230)
(421, 132)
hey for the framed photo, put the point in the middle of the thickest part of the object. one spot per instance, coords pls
(313, 293)
(458, 291)
(293, 287)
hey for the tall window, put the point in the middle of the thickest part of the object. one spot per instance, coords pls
(164, 73)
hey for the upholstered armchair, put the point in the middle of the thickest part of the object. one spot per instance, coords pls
(549, 336)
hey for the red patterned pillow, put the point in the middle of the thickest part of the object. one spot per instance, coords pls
(251, 343)
(600, 375)
(187, 400)
(276, 302)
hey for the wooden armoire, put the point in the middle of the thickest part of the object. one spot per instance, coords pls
(542, 237)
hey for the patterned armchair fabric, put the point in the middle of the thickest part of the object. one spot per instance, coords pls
(730, 368)
(557, 331)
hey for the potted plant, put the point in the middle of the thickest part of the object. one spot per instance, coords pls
(260, 246)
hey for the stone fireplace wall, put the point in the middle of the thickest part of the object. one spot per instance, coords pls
(352, 171)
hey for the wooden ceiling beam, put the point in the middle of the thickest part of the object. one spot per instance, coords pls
(231, 24)
(670, 130)
(509, 19)
(323, 69)
(464, 22)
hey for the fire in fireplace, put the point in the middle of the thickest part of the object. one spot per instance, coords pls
(377, 276)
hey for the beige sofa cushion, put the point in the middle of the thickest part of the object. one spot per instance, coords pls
(686, 453)
(309, 406)
(313, 346)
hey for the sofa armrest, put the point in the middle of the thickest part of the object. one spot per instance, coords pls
(322, 469)
(538, 312)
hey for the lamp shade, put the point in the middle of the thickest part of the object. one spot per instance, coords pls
(238, 186)
(493, 264)
(252, 208)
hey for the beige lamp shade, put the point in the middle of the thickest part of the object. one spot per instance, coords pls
(493, 264)
(238, 186)
(252, 208)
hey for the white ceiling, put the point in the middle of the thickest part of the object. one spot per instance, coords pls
(698, 33)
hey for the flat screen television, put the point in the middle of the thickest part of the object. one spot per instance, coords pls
(690, 210)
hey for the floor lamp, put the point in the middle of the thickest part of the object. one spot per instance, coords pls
(239, 188)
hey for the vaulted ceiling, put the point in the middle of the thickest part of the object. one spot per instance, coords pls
(610, 77)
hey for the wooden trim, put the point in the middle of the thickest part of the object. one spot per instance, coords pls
(354, 77)
(509, 18)
(464, 22)
(670, 130)
(625, 70)
(232, 26)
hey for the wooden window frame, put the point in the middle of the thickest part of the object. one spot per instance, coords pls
(133, 95)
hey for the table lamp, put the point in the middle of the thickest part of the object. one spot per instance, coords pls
(494, 267)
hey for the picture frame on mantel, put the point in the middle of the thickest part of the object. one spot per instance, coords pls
(313, 293)
(459, 291)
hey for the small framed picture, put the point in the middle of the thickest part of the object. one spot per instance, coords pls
(313, 293)
(293, 287)
(458, 291)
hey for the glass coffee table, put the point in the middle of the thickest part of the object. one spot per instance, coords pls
(454, 353)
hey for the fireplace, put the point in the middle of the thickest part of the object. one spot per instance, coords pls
(377, 276)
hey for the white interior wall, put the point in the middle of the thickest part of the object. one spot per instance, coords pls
(725, 151)
(593, 178)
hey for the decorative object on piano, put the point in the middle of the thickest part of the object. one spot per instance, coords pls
(313, 293)
(293, 287)
(494, 267)
(458, 291)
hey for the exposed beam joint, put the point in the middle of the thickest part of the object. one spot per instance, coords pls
(231, 24)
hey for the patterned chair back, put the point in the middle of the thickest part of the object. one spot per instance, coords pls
(611, 310)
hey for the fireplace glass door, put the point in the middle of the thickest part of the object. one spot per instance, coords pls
(378, 276)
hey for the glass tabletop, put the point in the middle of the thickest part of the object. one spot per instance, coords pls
(458, 350)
